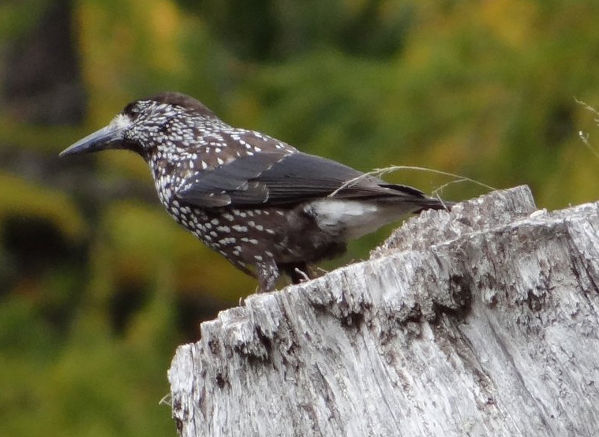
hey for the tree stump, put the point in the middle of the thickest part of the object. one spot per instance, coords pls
(481, 321)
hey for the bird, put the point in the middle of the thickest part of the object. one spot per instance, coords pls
(267, 207)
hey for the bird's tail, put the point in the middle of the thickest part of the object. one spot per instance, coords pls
(407, 194)
(434, 203)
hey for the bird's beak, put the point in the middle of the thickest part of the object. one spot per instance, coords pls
(109, 137)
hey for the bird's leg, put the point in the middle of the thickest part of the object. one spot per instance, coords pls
(268, 274)
(298, 273)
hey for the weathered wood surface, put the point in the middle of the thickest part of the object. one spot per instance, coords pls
(482, 321)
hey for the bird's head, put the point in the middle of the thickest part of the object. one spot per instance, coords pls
(145, 124)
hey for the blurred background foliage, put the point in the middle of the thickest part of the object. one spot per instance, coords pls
(98, 285)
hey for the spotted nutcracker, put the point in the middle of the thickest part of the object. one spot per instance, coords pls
(260, 202)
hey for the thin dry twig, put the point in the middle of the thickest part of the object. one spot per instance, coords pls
(321, 270)
(588, 108)
(166, 400)
(381, 171)
(584, 136)
(438, 190)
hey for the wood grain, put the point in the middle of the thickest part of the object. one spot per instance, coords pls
(482, 321)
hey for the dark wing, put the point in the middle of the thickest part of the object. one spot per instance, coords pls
(280, 178)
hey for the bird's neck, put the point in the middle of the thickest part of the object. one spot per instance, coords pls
(169, 170)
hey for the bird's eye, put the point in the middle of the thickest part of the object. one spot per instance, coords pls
(131, 109)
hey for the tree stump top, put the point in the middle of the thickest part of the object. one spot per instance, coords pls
(481, 321)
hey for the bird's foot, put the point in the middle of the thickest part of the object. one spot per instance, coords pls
(303, 276)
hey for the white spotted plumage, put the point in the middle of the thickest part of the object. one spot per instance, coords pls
(255, 199)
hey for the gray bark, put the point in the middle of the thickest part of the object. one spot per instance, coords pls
(482, 321)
